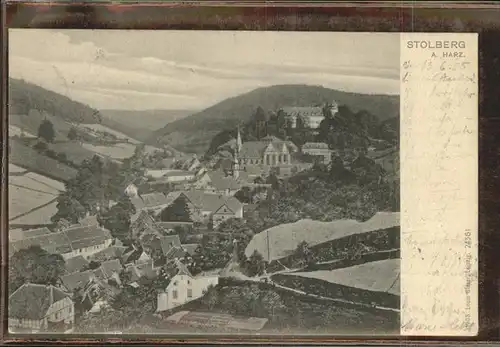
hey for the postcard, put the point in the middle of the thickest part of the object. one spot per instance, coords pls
(256, 183)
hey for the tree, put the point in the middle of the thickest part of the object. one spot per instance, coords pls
(46, 131)
(94, 265)
(72, 134)
(34, 265)
(255, 264)
(178, 211)
(68, 209)
(304, 254)
(117, 219)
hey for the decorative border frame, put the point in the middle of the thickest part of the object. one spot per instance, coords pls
(358, 16)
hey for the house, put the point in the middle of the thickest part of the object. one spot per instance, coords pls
(156, 173)
(203, 206)
(37, 308)
(142, 223)
(217, 182)
(311, 116)
(138, 271)
(184, 287)
(135, 255)
(112, 252)
(78, 281)
(171, 247)
(231, 208)
(177, 176)
(97, 293)
(151, 202)
(318, 149)
(77, 240)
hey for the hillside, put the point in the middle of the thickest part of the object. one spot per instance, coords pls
(29, 159)
(24, 96)
(140, 124)
(194, 133)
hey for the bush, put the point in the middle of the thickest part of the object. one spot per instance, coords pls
(40, 146)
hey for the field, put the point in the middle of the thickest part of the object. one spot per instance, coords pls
(379, 276)
(74, 152)
(284, 238)
(26, 157)
(16, 131)
(32, 197)
(14, 169)
(35, 218)
(100, 127)
(119, 151)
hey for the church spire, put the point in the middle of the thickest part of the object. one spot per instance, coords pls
(238, 141)
(236, 163)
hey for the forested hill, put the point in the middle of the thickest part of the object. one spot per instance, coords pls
(25, 96)
(195, 132)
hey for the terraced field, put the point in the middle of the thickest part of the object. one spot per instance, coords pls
(378, 276)
(32, 197)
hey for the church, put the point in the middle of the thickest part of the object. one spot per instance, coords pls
(270, 151)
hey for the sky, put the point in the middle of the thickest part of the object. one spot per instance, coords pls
(192, 70)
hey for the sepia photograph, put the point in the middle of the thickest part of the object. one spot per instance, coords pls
(203, 182)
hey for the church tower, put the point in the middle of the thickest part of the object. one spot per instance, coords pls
(236, 159)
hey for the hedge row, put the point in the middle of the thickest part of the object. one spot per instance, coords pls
(350, 247)
(337, 291)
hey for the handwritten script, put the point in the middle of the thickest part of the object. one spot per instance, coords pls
(439, 189)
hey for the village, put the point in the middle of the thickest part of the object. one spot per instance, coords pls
(184, 228)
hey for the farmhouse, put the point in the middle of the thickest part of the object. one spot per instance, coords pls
(37, 308)
(77, 240)
(185, 287)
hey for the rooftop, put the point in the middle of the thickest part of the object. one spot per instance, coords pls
(306, 111)
(211, 202)
(315, 145)
(150, 200)
(31, 301)
(76, 264)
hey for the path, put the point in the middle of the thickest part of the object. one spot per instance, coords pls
(270, 281)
